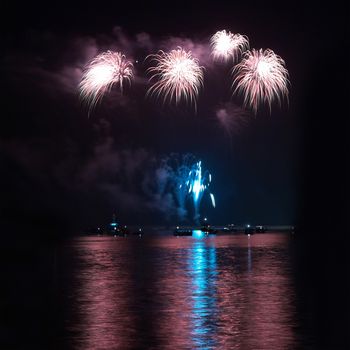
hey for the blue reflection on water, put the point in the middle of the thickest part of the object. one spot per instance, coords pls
(202, 267)
(198, 234)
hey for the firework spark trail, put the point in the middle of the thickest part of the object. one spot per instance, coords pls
(261, 77)
(179, 76)
(189, 182)
(212, 199)
(226, 45)
(198, 182)
(105, 70)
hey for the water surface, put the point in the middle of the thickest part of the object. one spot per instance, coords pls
(217, 292)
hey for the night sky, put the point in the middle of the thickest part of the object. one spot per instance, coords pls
(65, 166)
(71, 169)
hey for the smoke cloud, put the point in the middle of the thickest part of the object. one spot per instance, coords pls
(232, 118)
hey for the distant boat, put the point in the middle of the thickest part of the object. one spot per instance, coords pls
(249, 230)
(209, 230)
(260, 229)
(231, 228)
(182, 232)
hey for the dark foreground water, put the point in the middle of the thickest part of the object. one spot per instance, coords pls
(224, 292)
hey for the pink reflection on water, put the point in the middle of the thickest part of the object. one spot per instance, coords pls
(224, 292)
(255, 295)
(173, 324)
(103, 296)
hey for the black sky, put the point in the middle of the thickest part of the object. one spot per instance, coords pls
(61, 166)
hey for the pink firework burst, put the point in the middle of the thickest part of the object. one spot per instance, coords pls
(105, 70)
(178, 75)
(226, 45)
(261, 77)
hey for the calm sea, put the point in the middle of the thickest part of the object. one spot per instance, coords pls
(215, 292)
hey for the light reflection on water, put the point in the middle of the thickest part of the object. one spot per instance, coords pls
(224, 292)
(202, 267)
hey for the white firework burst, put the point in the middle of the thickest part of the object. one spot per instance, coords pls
(105, 70)
(179, 76)
(261, 77)
(226, 45)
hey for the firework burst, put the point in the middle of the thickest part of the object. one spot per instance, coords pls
(179, 76)
(105, 70)
(226, 45)
(197, 183)
(189, 182)
(261, 77)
